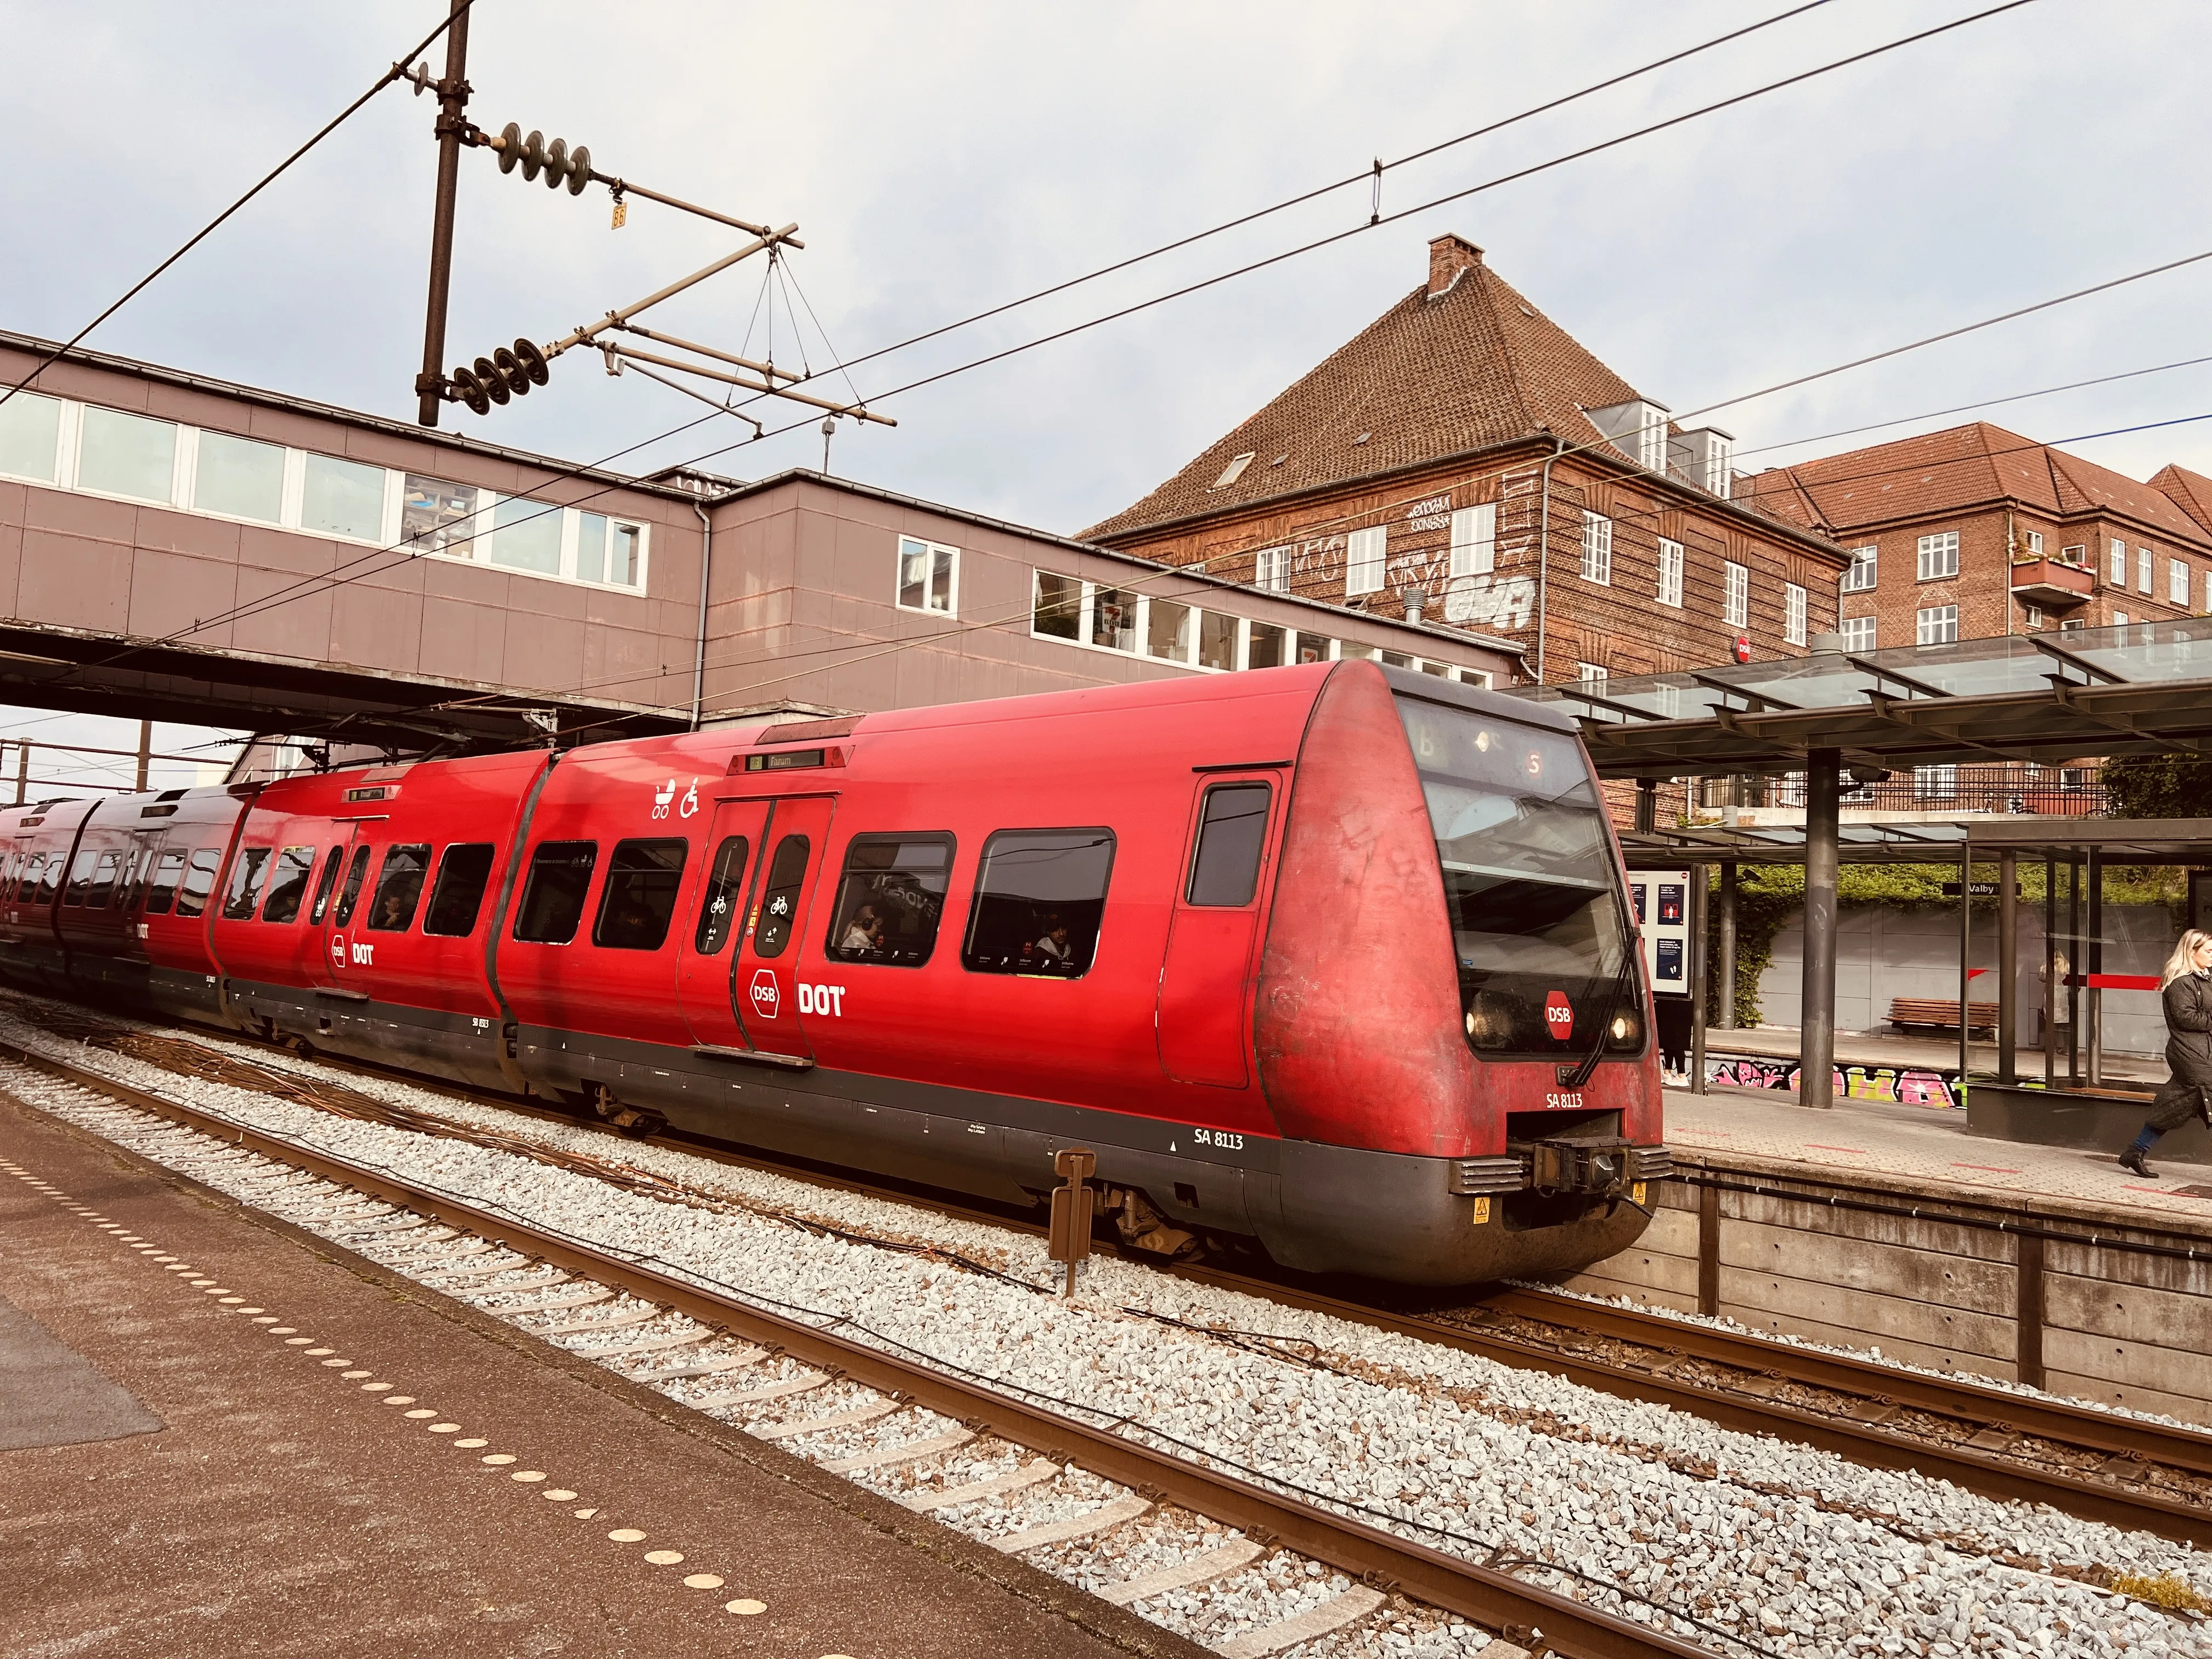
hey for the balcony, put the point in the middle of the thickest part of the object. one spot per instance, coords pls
(2048, 583)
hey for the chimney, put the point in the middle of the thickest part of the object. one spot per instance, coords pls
(1414, 598)
(1448, 257)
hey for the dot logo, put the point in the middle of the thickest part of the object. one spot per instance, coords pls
(1559, 1015)
(764, 993)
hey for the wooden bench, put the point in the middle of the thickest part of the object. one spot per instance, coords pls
(1940, 1014)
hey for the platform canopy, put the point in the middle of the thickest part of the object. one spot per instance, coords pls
(2027, 837)
(2141, 688)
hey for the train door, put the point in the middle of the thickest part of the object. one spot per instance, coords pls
(707, 947)
(766, 983)
(340, 901)
(1203, 1021)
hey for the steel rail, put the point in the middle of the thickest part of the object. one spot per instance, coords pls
(1989, 1472)
(1366, 1553)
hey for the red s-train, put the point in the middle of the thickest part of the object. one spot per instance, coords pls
(1332, 958)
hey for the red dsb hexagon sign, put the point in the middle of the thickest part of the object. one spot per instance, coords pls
(765, 992)
(1559, 1015)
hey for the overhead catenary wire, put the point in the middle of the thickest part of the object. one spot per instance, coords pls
(396, 72)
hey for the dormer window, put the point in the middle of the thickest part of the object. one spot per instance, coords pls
(1234, 470)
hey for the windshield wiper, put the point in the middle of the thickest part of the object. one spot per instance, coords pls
(1581, 1074)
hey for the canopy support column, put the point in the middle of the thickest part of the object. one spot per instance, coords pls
(2094, 962)
(1816, 1078)
(2007, 967)
(1724, 1016)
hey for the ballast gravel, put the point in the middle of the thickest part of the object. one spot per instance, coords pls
(1645, 1511)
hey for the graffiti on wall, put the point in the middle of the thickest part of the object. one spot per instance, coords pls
(1906, 1086)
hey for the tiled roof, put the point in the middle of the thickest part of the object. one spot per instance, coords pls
(2189, 491)
(1435, 375)
(1963, 466)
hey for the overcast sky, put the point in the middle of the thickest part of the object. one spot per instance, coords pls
(940, 159)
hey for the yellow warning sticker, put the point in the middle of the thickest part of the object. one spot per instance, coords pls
(1481, 1211)
(1636, 1192)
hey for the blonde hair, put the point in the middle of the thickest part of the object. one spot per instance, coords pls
(2182, 960)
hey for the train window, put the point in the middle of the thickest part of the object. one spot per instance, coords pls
(553, 896)
(246, 878)
(643, 878)
(464, 872)
(288, 888)
(161, 886)
(349, 895)
(101, 888)
(199, 881)
(1039, 895)
(786, 875)
(328, 884)
(399, 888)
(39, 880)
(80, 878)
(890, 900)
(724, 892)
(1231, 832)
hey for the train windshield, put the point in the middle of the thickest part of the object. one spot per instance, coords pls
(1529, 880)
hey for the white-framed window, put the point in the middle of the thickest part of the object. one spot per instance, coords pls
(2035, 619)
(1597, 548)
(1592, 675)
(1365, 554)
(2142, 569)
(1735, 594)
(2177, 582)
(1937, 624)
(1271, 570)
(1939, 556)
(1793, 614)
(2208, 592)
(1858, 634)
(1935, 782)
(1474, 540)
(86, 448)
(2115, 564)
(1670, 573)
(2072, 624)
(2077, 555)
(1651, 444)
(2034, 540)
(2119, 619)
(1859, 576)
(928, 576)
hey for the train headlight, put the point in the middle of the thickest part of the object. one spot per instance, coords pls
(1626, 1030)
(1490, 1021)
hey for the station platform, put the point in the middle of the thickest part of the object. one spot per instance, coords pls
(1926, 1150)
(1877, 1049)
(179, 1475)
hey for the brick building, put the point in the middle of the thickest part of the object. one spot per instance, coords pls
(1463, 458)
(1976, 532)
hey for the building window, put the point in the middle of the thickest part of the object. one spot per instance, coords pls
(1939, 556)
(2034, 540)
(2207, 591)
(30, 436)
(1793, 614)
(1651, 445)
(1234, 470)
(1056, 606)
(1935, 782)
(527, 535)
(2034, 619)
(1597, 548)
(1938, 625)
(1590, 674)
(2072, 624)
(239, 478)
(1114, 618)
(2116, 566)
(2177, 582)
(120, 454)
(1364, 557)
(927, 576)
(1217, 641)
(1263, 645)
(1858, 634)
(344, 498)
(2078, 554)
(1670, 573)
(609, 551)
(1271, 569)
(1735, 595)
(1859, 577)
(1168, 630)
(1474, 540)
(435, 516)
(2119, 619)
(2142, 569)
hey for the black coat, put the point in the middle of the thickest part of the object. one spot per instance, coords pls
(2189, 1030)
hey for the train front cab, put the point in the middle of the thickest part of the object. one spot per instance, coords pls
(1449, 1018)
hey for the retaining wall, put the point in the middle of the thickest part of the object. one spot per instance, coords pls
(2052, 1293)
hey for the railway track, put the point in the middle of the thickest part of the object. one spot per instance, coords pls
(1378, 1563)
(2122, 1471)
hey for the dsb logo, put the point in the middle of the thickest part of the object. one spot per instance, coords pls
(1559, 1015)
(764, 993)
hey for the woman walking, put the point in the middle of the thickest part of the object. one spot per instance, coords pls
(2187, 985)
